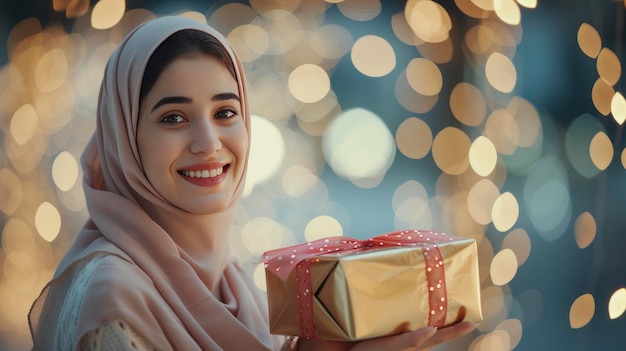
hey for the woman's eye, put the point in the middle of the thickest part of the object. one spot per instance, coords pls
(172, 119)
(224, 114)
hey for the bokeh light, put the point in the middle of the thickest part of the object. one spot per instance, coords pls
(360, 10)
(519, 242)
(468, 104)
(503, 267)
(585, 229)
(249, 41)
(527, 119)
(501, 72)
(578, 138)
(514, 330)
(373, 56)
(601, 150)
(548, 201)
(411, 207)
(451, 150)
(589, 40)
(48, 221)
(429, 20)
(483, 156)
(581, 311)
(322, 227)
(261, 234)
(51, 70)
(10, 190)
(505, 212)
(424, 77)
(602, 95)
(609, 66)
(267, 149)
(480, 200)
(503, 132)
(358, 144)
(414, 138)
(107, 13)
(508, 11)
(65, 171)
(531, 4)
(618, 108)
(410, 99)
(309, 83)
(23, 124)
(617, 303)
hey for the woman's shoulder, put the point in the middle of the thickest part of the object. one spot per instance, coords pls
(101, 273)
(114, 335)
(112, 271)
(115, 285)
(56, 316)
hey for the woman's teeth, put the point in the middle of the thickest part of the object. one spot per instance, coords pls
(207, 173)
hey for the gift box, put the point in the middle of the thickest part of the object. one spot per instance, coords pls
(341, 288)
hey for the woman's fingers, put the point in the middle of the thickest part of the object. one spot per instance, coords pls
(405, 341)
(420, 339)
(449, 333)
(326, 345)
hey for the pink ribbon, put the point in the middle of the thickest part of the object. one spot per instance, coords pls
(283, 261)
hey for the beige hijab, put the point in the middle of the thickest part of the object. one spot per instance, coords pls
(143, 276)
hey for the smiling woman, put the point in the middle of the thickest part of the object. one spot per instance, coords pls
(164, 171)
(194, 108)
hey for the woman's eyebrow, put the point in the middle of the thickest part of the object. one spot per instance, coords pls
(186, 100)
(225, 96)
(171, 100)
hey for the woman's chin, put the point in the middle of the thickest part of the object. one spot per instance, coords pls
(206, 208)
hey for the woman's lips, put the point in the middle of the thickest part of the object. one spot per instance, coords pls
(205, 176)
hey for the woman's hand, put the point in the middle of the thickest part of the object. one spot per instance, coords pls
(419, 340)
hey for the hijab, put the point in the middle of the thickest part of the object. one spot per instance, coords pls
(146, 278)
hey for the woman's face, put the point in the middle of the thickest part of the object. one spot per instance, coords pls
(191, 136)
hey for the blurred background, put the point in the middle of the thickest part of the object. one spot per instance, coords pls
(499, 120)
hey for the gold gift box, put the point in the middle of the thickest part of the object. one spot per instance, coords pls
(347, 289)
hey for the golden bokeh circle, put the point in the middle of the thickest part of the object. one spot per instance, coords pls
(483, 156)
(519, 241)
(468, 104)
(309, 83)
(609, 66)
(585, 229)
(617, 303)
(424, 77)
(373, 56)
(505, 212)
(503, 267)
(589, 40)
(601, 150)
(581, 311)
(451, 150)
(414, 138)
(618, 108)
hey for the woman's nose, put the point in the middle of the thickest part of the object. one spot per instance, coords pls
(205, 138)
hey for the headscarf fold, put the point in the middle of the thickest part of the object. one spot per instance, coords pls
(143, 276)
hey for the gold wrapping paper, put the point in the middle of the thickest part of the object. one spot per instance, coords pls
(371, 291)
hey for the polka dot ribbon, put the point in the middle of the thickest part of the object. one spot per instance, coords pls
(281, 262)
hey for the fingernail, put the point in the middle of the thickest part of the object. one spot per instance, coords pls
(431, 332)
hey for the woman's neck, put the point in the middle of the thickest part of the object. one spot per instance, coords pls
(203, 241)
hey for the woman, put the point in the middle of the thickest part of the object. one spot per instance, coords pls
(164, 171)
